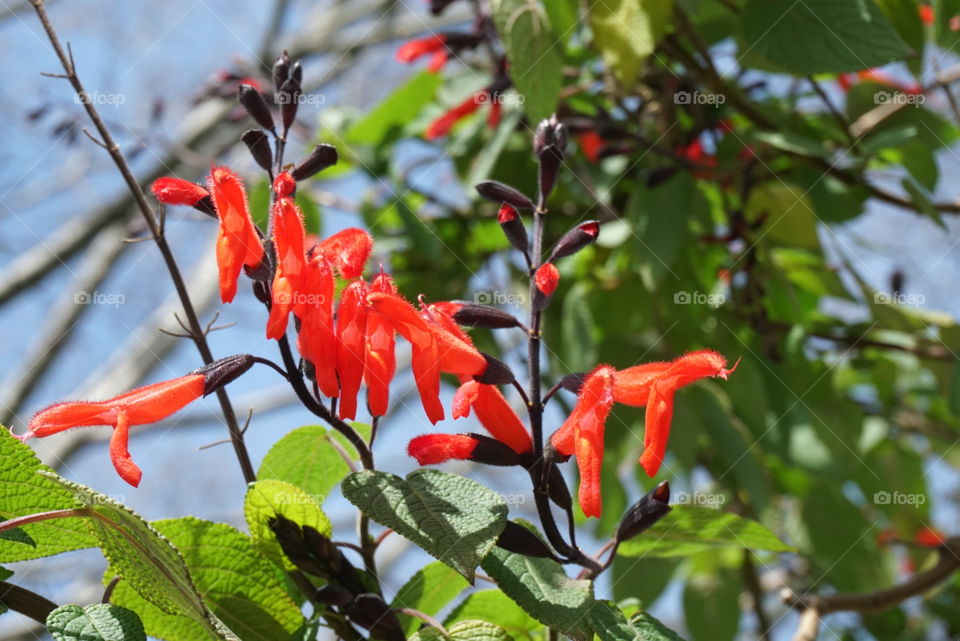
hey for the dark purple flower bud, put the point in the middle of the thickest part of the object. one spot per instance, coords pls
(490, 451)
(371, 612)
(500, 193)
(645, 512)
(320, 158)
(573, 382)
(558, 490)
(516, 538)
(220, 372)
(513, 227)
(497, 372)
(576, 239)
(289, 99)
(255, 105)
(281, 70)
(550, 133)
(332, 595)
(296, 73)
(259, 146)
(476, 315)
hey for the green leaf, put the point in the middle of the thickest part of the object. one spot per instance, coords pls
(18, 535)
(688, 529)
(820, 36)
(97, 622)
(564, 16)
(148, 562)
(609, 623)
(711, 606)
(641, 578)
(534, 52)
(627, 31)
(427, 591)
(394, 112)
(464, 631)
(239, 585)
(649, 628)
(790, 219)
(542, 588)
(496, 607)
(453, 518)
(308, 458)
(27, 492)
(579, 339)
(268, 498)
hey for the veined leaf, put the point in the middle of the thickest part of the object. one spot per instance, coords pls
(453, 518)
(465, 631)
(97, 622)
(308, 459)
(688, 529)
(269, 498)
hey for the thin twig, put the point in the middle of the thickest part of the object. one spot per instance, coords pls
(143, 205)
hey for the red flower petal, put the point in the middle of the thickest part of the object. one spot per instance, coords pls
(351, 351)
(430, 449)
(547, 278)
(176, 191)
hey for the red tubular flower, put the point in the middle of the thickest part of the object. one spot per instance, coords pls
(582, 434)
(434, 349)
(237, 241)
(351, 345)
(494, 413)
(547, 278)
(926, 14)
(590, 144)
(176, 191)
(316, 339)
(288, 239)
(651, 385)
(143, 405)
(930, 537)
(381, 362)
(415, 49)
(430, 449)
(442, 125)
(348, 251)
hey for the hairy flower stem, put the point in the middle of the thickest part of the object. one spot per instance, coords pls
(197, 332)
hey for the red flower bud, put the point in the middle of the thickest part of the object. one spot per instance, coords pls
(546, 279)
(176, 191)
(576, 239)
(513, 227)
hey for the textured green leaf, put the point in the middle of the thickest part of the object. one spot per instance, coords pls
(542, 588)
(609, 623)
(650, 628)
(238, 584)
(24, 492)
(688, 529)
(627, 31)
(148, 562)
(465, 631)
(18, 535)
(820, 36)
(268, 498)
(97, 622)
(453, 518)
(535, 53)
(428, 591)
(396, 110)
(788, 214)
(496, 607)
(307, 458)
